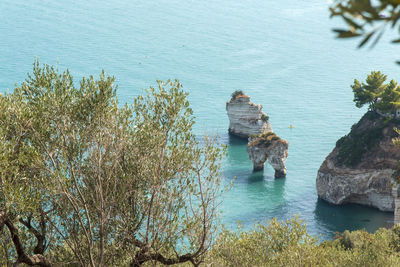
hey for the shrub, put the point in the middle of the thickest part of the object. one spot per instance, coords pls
(103, 184)
(265, 135)
(353, 146)
(264, 117)
(259, 246)
(236, 94)
(264, 140)
(288, 243)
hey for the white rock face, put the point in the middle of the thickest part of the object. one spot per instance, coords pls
(276, 154)
(370, 181)
(245, 118)
(369, 187)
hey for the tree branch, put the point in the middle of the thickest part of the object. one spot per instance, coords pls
(37, 259)
(41, 239)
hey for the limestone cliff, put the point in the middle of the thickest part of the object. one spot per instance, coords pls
(363, 166)
(269, 147)
(246, 118)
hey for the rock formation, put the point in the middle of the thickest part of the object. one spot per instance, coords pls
(245, 117)
(363, 167)
(268, 147)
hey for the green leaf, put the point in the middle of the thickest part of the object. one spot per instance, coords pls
(363, 42)
(378, 38)
(345, 33)
(352, 23)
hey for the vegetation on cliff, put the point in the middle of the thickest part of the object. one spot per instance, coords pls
(381, 97)
(264, 140)
(382, 100)
(236, 94)
(353, 146)
(264, 118)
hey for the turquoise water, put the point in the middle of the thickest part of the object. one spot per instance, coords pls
(281, 53)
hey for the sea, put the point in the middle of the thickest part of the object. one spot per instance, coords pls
(281, 53)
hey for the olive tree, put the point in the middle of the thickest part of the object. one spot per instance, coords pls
(367, 19)
(84, 180)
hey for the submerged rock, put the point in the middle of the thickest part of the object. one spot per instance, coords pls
(269, 147)
(363, 166)
(245, 117)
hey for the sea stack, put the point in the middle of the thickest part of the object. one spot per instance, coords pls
(269, 147)
(363, 168)
(246, 118)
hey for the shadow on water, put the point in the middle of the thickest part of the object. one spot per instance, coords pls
(246, 175)
(264, 197)
(237, 158)
(236, 141)
(350, 217)
(255, 177)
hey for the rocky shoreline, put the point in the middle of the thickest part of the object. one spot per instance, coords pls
(363, 166)
(269, 147)
(247, 120)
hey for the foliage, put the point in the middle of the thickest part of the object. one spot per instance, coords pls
(369, 93)
(379, 96)
(289, 244)
(264, 140)
(85, 181)
(353, 146)
(264, 118)
(396, 140)
(366, 19)
(389, 98)
(236, 94)
(259, 246)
